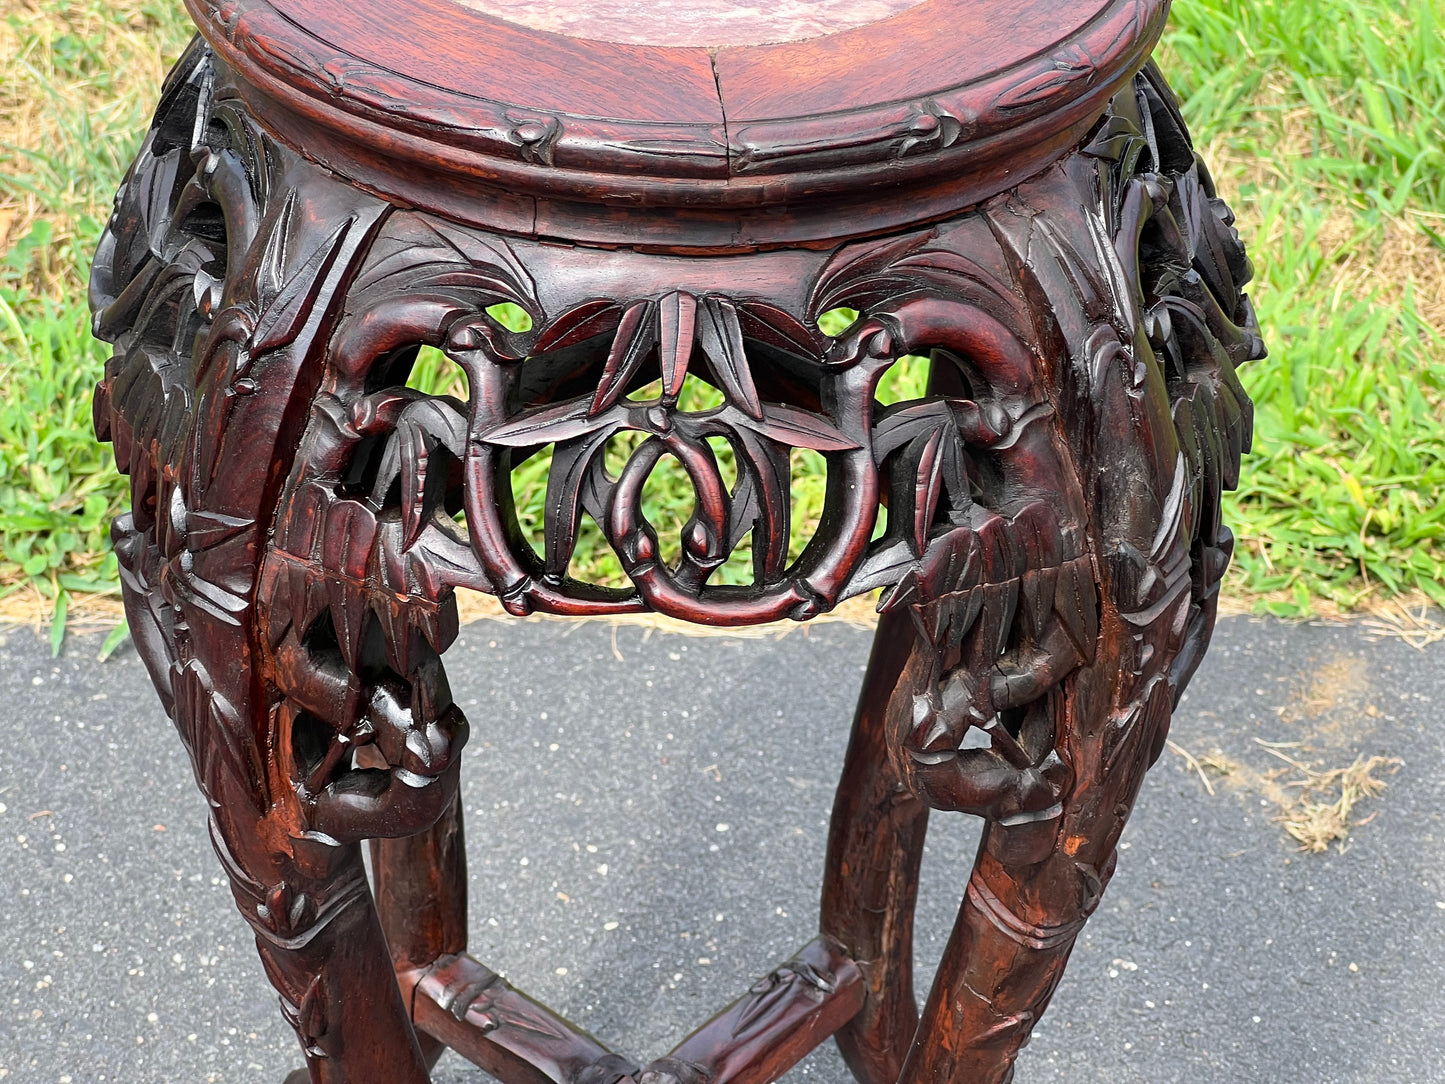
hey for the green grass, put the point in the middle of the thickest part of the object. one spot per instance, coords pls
(1323, 120)
(1326, 120)
(79, 82)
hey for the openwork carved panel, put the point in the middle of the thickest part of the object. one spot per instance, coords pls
(1042, 527)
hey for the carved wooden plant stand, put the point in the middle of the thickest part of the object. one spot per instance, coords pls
(1008, 188)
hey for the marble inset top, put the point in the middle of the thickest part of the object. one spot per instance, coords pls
(692, 22)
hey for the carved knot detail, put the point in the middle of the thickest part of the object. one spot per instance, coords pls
(535, 138)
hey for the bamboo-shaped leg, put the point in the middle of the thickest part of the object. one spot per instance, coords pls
(218, 280)
(351, 1016)
(373, 754)
(420, 883)
(1032, 888)
(875, 845)
(1071, 593)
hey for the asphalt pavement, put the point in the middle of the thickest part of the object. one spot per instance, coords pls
(646, 818)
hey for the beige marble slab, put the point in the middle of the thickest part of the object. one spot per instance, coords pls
(691, 22)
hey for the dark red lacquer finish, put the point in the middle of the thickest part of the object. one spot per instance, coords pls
(1007, 189)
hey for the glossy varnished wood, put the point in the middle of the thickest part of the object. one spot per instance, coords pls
(741, 144)
(470, 1008)
(870, 884)
(326, 189)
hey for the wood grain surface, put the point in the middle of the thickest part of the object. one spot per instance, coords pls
(1043, 523)
(914, 117)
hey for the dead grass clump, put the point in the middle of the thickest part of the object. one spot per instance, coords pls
(1411, 616)
(1316, 807)
(1323, 812)
(1411, 619)
(87, 612)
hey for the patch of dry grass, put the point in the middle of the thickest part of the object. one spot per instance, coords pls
(1393, 257)
(1316, 781)
(80, 82)
(1315, 806)
(1323, 813)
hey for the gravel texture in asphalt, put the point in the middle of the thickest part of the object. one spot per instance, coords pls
(646, 823)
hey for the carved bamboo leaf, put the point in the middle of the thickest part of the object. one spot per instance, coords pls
(597, 490)
(468, 288)
(1211, 244)
(564, 421)
(1118, 140)
(956, 468)
(766, 464)
(743, 509)
(349, 611)
(207, 529)
(222, 751)
(579, 324)
(283, 319)
(850, 270)
(1077, 608)
(766, 994)
(417, 445)
(636, 335)
(516, 1015)
(901, 424)
(1087, 282)
(190, 70)
(959, 276)
(722, 341)
(120, 311)
(802, 429)
(483, 281)
(928, 479)
(677, 317)
(572, 465)
(886, 564)
(942, 261)
(311, 1013)
(226, 606)
(404, 259)
(429, 250)
(269, 275)
(422, 427)
(777, 328)
(489, 250)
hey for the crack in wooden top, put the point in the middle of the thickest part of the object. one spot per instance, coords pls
(446, 106)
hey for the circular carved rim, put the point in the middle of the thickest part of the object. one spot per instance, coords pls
(909, 118)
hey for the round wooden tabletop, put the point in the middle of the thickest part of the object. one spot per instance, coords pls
(756, 124)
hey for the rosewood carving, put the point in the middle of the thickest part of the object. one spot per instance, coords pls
(1044, 525)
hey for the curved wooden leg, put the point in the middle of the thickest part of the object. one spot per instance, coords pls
(1063, 547)
(420, 883)
(875, 845)
(349, 1016)
(217, 282)
(1031, 889)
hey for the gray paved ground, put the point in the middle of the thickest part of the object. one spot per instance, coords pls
(680, 792)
